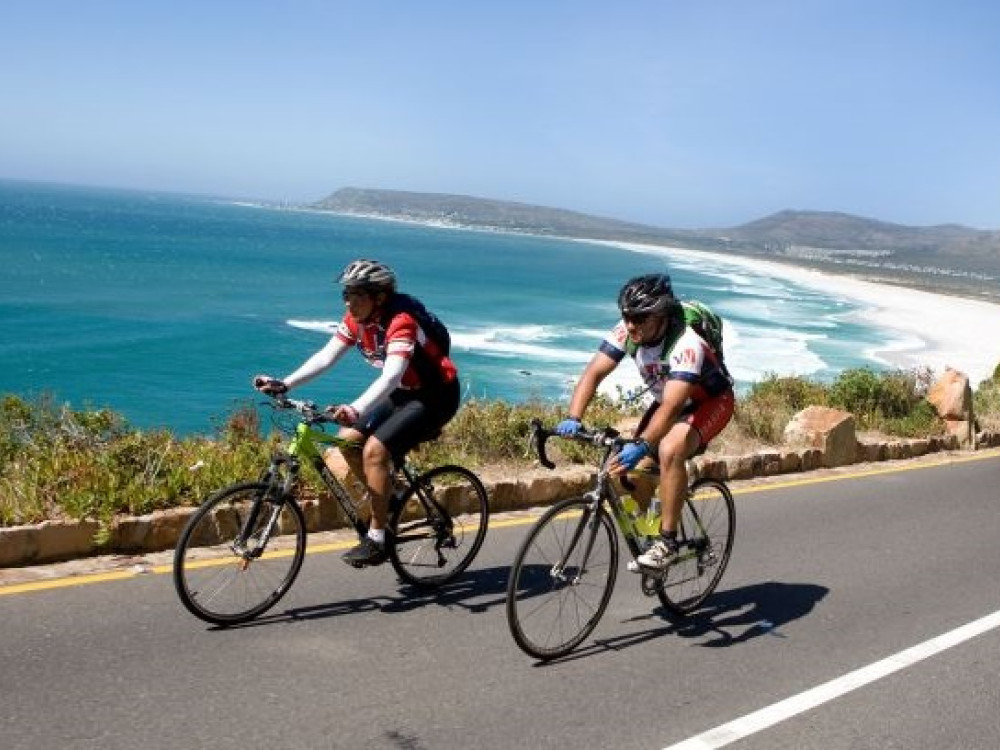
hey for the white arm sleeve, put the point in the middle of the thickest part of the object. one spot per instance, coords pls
(386, 383)
(318, 363)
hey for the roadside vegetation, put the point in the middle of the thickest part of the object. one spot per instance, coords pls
(58, 462)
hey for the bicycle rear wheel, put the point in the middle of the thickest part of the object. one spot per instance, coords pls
(221, 570)
(437, 528)
(562, 579)
(705, 535)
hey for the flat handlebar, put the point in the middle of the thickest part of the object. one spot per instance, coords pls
(310, 412)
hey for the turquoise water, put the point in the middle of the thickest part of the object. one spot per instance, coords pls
(162, 307)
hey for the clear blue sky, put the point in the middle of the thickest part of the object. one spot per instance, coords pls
(679, 113)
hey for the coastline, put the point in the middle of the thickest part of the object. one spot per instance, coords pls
(935, 330)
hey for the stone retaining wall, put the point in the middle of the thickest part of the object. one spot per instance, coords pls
(55, 541)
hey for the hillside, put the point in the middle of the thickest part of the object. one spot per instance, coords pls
(462, 210)
(947, 258)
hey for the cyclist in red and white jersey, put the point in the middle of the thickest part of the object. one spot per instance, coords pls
(691, 388)
(416, 393)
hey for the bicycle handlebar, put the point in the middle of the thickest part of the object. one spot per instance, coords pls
(308, 409)
(607, 437)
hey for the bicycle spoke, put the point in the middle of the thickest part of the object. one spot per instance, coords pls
(551, 610)
(439, 527)
(706, 535)
(219, 582)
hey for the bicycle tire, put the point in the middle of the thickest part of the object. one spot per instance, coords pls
(550, 613)
(705, 553)
(438, 527)
(222, 586)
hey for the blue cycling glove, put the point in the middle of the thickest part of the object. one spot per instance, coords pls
(568, 427)
(633, 453)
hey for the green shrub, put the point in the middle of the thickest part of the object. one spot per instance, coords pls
(921, 421)
(878, 398)
(57, 462)
(485, 432)
(986, 404)
(769, 405)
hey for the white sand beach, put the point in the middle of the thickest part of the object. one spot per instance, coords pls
(939, 331)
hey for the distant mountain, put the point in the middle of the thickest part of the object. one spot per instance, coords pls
(949, 258)
(836, 231)
(463, 210)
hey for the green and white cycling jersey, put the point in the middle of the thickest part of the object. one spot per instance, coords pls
(678, 356)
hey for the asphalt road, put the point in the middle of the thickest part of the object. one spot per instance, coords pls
(827, 578)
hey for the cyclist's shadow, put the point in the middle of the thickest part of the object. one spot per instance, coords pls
(734, 616)
(741, 614)
(475, 590)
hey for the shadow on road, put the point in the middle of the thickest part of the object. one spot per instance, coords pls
(739, 615)
(476, 591)
(733, 617)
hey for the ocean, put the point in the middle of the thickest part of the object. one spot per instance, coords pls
(163, 306)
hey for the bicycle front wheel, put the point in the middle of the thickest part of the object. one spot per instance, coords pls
(705, 536)
(562, 579)
(437, 528)
(239, 554)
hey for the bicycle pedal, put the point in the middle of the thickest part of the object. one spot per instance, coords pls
(648, 585)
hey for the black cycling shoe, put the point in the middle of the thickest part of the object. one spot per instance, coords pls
(367, 552)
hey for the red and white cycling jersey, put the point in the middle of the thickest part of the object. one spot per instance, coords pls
(690, 358)
(401, 335)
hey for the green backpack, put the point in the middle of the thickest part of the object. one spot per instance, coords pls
(699, 316)
(705, 323)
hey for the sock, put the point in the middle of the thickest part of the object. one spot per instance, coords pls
(377, 535)
(669, 538)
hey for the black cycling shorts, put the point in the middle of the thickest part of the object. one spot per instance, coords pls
(413, 417)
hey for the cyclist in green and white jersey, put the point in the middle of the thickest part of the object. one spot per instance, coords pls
(691, 387)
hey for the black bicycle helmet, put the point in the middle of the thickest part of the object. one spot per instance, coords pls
(369, 274)
(651, 294)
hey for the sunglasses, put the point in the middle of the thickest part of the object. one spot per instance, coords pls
(349, 294)
(636, 320)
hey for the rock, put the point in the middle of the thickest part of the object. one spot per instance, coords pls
(791, 462)
(830, 430)
(869, 452)
(546, 490)
(741, 467)
(962, 431)
(897, 450)
(713, 467)
(951, 395)
(151, 532)
(812, 458)
(507, 495)
(18, 545)
(65, 540)
(770, 463)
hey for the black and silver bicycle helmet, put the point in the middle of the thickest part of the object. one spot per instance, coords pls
(369, 274)
(651, 294)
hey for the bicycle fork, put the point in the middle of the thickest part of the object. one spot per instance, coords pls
(588, 521)
(276, 486)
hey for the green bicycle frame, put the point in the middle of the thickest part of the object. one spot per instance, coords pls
(636, 528)
(306, 446)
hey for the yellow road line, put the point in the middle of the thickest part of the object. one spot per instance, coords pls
(118, 575)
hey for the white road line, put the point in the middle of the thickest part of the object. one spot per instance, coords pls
(797, 704)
